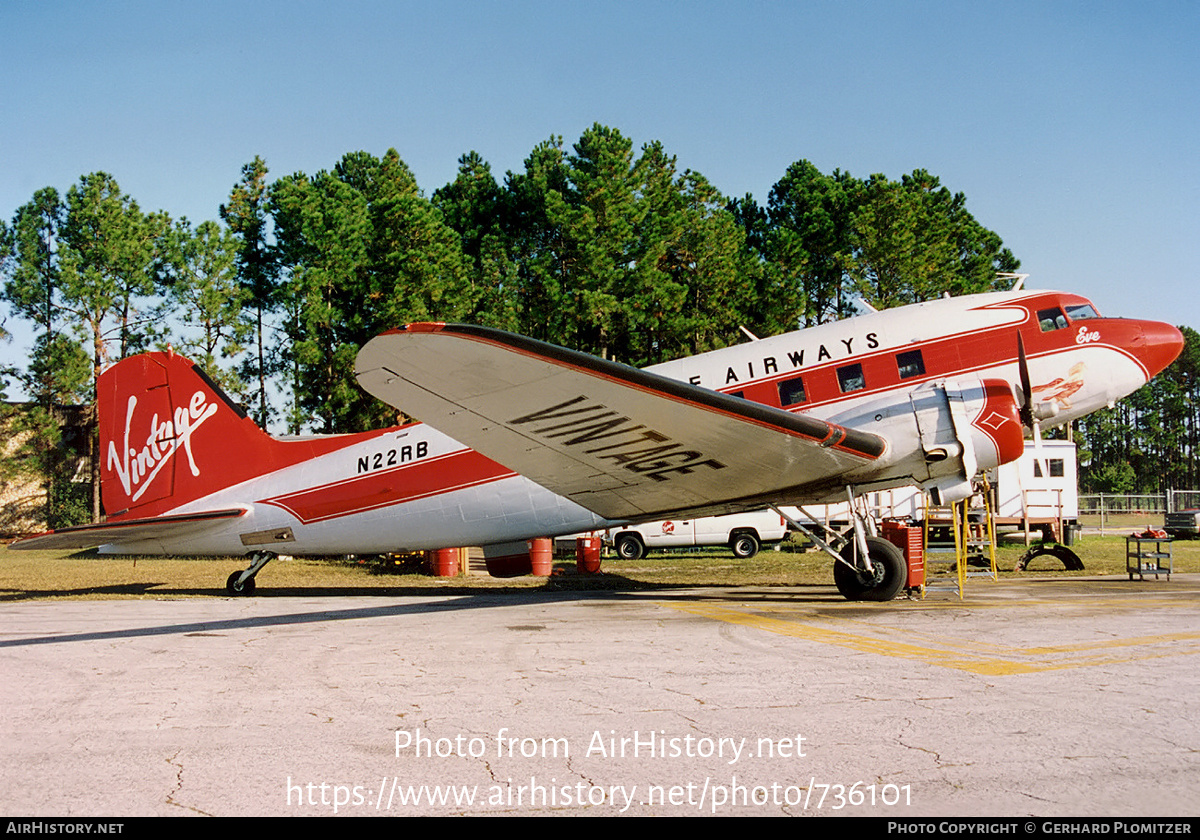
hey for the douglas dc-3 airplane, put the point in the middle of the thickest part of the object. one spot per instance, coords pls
(523, 439)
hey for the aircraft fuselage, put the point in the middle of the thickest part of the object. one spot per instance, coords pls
(414, 488)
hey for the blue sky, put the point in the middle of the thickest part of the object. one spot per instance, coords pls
(1070, 126)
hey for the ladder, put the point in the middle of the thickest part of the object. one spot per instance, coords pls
(974, 537)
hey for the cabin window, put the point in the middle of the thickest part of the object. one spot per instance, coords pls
(1082, 312)
(1052, 319)
(851, 378)
(910, 364)
(791, 391)
(741, 395)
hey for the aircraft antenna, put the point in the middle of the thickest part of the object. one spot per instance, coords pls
(753, 337)
(1018, 278)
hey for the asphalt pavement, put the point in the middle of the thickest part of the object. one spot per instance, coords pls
(1028, 698)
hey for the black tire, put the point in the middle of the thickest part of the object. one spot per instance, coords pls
(231, 585)
(630, 547)
(744, 545)
(888, 575)
(1069, 558)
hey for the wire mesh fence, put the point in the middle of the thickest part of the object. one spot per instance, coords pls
(1116, 512)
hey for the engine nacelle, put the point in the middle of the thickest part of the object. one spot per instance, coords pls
(942, 435)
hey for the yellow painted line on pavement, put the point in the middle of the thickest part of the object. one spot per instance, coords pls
(963, 655)
(982, 645)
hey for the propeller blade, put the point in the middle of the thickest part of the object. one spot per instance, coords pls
(1026, 411)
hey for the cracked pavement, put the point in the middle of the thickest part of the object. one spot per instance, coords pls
(1038, 698)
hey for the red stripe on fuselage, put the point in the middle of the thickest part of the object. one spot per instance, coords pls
(373, 490)
(957, 354)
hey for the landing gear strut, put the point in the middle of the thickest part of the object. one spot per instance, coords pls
(866, 567)
(242, 583)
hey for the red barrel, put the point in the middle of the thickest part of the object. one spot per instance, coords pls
(587, 555)
(541, 556)
(444, 562)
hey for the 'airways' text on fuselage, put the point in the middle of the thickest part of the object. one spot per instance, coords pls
(772, 365)
(606, 435)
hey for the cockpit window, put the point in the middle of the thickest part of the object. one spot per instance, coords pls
(1082, 312)
(1052, 319)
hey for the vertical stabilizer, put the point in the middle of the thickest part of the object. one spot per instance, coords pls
(169, 435)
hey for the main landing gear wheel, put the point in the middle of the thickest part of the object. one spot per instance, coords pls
(882, 583)
(630, 547)
(744, 546)
(234, 588)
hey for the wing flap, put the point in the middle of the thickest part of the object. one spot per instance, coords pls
(622, 442)
(126, 531)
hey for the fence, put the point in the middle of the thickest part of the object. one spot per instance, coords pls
(1122, 511)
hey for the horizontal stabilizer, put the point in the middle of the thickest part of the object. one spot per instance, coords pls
(127, 531)
(622, 442)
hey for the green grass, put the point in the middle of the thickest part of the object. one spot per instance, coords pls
(38, 575)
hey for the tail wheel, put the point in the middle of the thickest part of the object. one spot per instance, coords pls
(232, 586)
(629, 547)
(885, 578)
(258, 559)
(744, 545)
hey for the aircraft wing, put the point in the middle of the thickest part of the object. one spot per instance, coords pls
(621, 442)
(127, 531)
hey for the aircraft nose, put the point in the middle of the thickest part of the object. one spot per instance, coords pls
(1158, 345)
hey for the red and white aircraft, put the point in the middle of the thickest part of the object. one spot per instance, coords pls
(523, 439)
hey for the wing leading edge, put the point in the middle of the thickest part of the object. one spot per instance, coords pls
(622, 442)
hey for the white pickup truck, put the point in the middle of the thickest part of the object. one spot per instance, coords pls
(744, 533)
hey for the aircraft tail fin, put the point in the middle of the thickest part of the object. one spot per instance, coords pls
(169, 435)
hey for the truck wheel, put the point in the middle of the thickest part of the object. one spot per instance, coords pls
(744, 545)
(629, 547)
